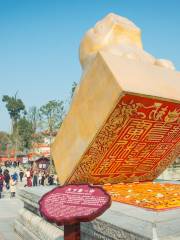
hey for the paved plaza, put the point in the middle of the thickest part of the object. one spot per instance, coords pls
(9, 208)
(8, 211)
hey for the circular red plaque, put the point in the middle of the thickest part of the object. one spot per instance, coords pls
(74, 203)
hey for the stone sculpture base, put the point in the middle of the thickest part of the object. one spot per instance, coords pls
(120, 222)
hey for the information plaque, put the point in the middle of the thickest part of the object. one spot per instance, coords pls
(71, 204)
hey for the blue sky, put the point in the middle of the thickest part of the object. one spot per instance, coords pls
(39, 41)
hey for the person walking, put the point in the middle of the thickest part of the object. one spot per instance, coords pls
(1, 182)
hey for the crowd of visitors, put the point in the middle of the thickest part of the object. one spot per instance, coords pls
(8, 181)
(39, 178)
(27, 177)
(11, 164)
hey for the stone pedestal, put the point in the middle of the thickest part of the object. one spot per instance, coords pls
(120, 222)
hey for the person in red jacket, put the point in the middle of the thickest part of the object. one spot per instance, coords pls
(1, 182)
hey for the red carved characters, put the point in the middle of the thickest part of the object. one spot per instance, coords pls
(137, 143)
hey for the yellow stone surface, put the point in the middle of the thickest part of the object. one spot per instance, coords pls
(119, 36)
(96, 96)
(100, 89)
(115, 90)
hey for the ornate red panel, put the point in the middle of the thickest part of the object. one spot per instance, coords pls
(139, 140)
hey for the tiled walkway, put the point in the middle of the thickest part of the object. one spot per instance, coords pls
(9, 208)
(8, 211)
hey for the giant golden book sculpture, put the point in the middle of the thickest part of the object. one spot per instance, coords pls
(124, 121)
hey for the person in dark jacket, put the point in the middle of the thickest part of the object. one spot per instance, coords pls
(1, 182)
(7, 178)
(35, 179)
(50, 180)
(21, 174)
(42, 179)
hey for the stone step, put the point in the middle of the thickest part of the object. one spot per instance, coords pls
(11, 236)
(5, 194)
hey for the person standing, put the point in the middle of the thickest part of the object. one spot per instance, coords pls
(39, 178)
(55, 179)
(12, 187)
(46, 180)
(6, 178)
(1, 182)
(43, 179)
(28, 176)
(21, 174)
(35, 179)
(50, 180)
(15, 176)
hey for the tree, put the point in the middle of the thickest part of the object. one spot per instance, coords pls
(4, 141)
(15, 107)
(52, 115)
(34, 117)
(25, 131)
